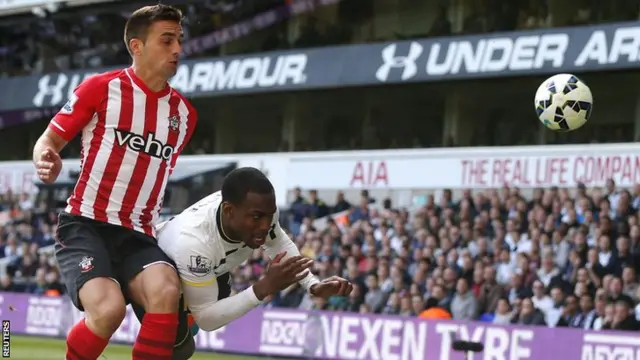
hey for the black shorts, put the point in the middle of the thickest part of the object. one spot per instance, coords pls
(184, 330)
(86, 249)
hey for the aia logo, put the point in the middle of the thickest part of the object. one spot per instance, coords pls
(148, 145)
(86, 264)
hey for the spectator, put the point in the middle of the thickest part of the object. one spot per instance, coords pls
(606, 321)
(623, 318)
(355, 299)
(299, 210)
(434, 311)
(393, 305)
(504, 312)
(630, 286)
(361, 212)
(406, 306)
(548, 271)
(518, 289)
(528, 314)
(490, 292)
(587, 315)
(600, 308)
(375, 298)
(6, 284)
(606, 258)
(541, 300)
(317, 207)
(569, 312)
(464, 305)
(615, 291)
(341, 203)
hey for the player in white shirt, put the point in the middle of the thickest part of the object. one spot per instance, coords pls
(219, 233)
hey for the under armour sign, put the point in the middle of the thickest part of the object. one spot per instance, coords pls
(392, 60)
(244, 73)
(56, 89)
(515, 53)
(610, 47)
(483, 56)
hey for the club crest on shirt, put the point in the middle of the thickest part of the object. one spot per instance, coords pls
(199, 265)
(86, 264)
(174, 122)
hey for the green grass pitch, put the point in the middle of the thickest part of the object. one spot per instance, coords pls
(36, 348)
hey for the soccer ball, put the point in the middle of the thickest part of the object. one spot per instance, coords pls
(563, 102)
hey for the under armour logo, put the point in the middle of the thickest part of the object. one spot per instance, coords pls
(55, 90)
(59, 90)
(391, 61)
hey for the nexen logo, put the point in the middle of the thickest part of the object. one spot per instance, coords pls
(283, 333)
(149, 145)
(610, 347)
(245, 73)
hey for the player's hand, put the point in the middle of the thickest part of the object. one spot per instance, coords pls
(49, 166)
(333, 286)
(282, 274)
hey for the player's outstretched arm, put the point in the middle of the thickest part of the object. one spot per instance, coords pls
(280, 242)
(333, 286)
(210, 314)
(195, 261)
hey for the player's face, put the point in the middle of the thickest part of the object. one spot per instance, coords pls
(163, 47)
(252, 219)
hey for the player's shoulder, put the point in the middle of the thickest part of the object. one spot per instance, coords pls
(211, 201)
(192, 110)
(96, 86)
(202, 213)
(103, 78)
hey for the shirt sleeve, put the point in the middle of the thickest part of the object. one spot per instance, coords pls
(79, 109)
(278, 242)
(195, 266)
(192, 121)
(195, 263)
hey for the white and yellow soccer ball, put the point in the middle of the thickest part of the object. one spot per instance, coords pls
(563, 102)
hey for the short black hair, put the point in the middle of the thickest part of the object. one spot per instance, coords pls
(138, 24)
(431, 302)
(242, 181)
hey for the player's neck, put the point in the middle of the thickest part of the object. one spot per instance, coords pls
(153, 81)
(226, 230)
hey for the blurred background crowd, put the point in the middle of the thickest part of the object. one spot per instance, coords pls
(52, 42)
(82, 38)
(560, 258)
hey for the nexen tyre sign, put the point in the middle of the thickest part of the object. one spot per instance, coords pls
(522, 53)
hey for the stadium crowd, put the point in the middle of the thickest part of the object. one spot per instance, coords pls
(555, 259)
(65, 39)
(560, 258)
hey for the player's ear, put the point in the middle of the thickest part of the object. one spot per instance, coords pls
(227, 208)
(136, 46)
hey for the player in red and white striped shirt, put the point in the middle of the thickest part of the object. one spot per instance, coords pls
(134, 126)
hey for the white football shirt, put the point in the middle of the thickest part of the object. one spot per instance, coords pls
(194, 240)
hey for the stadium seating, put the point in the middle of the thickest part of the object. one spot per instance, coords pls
(560, 258)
